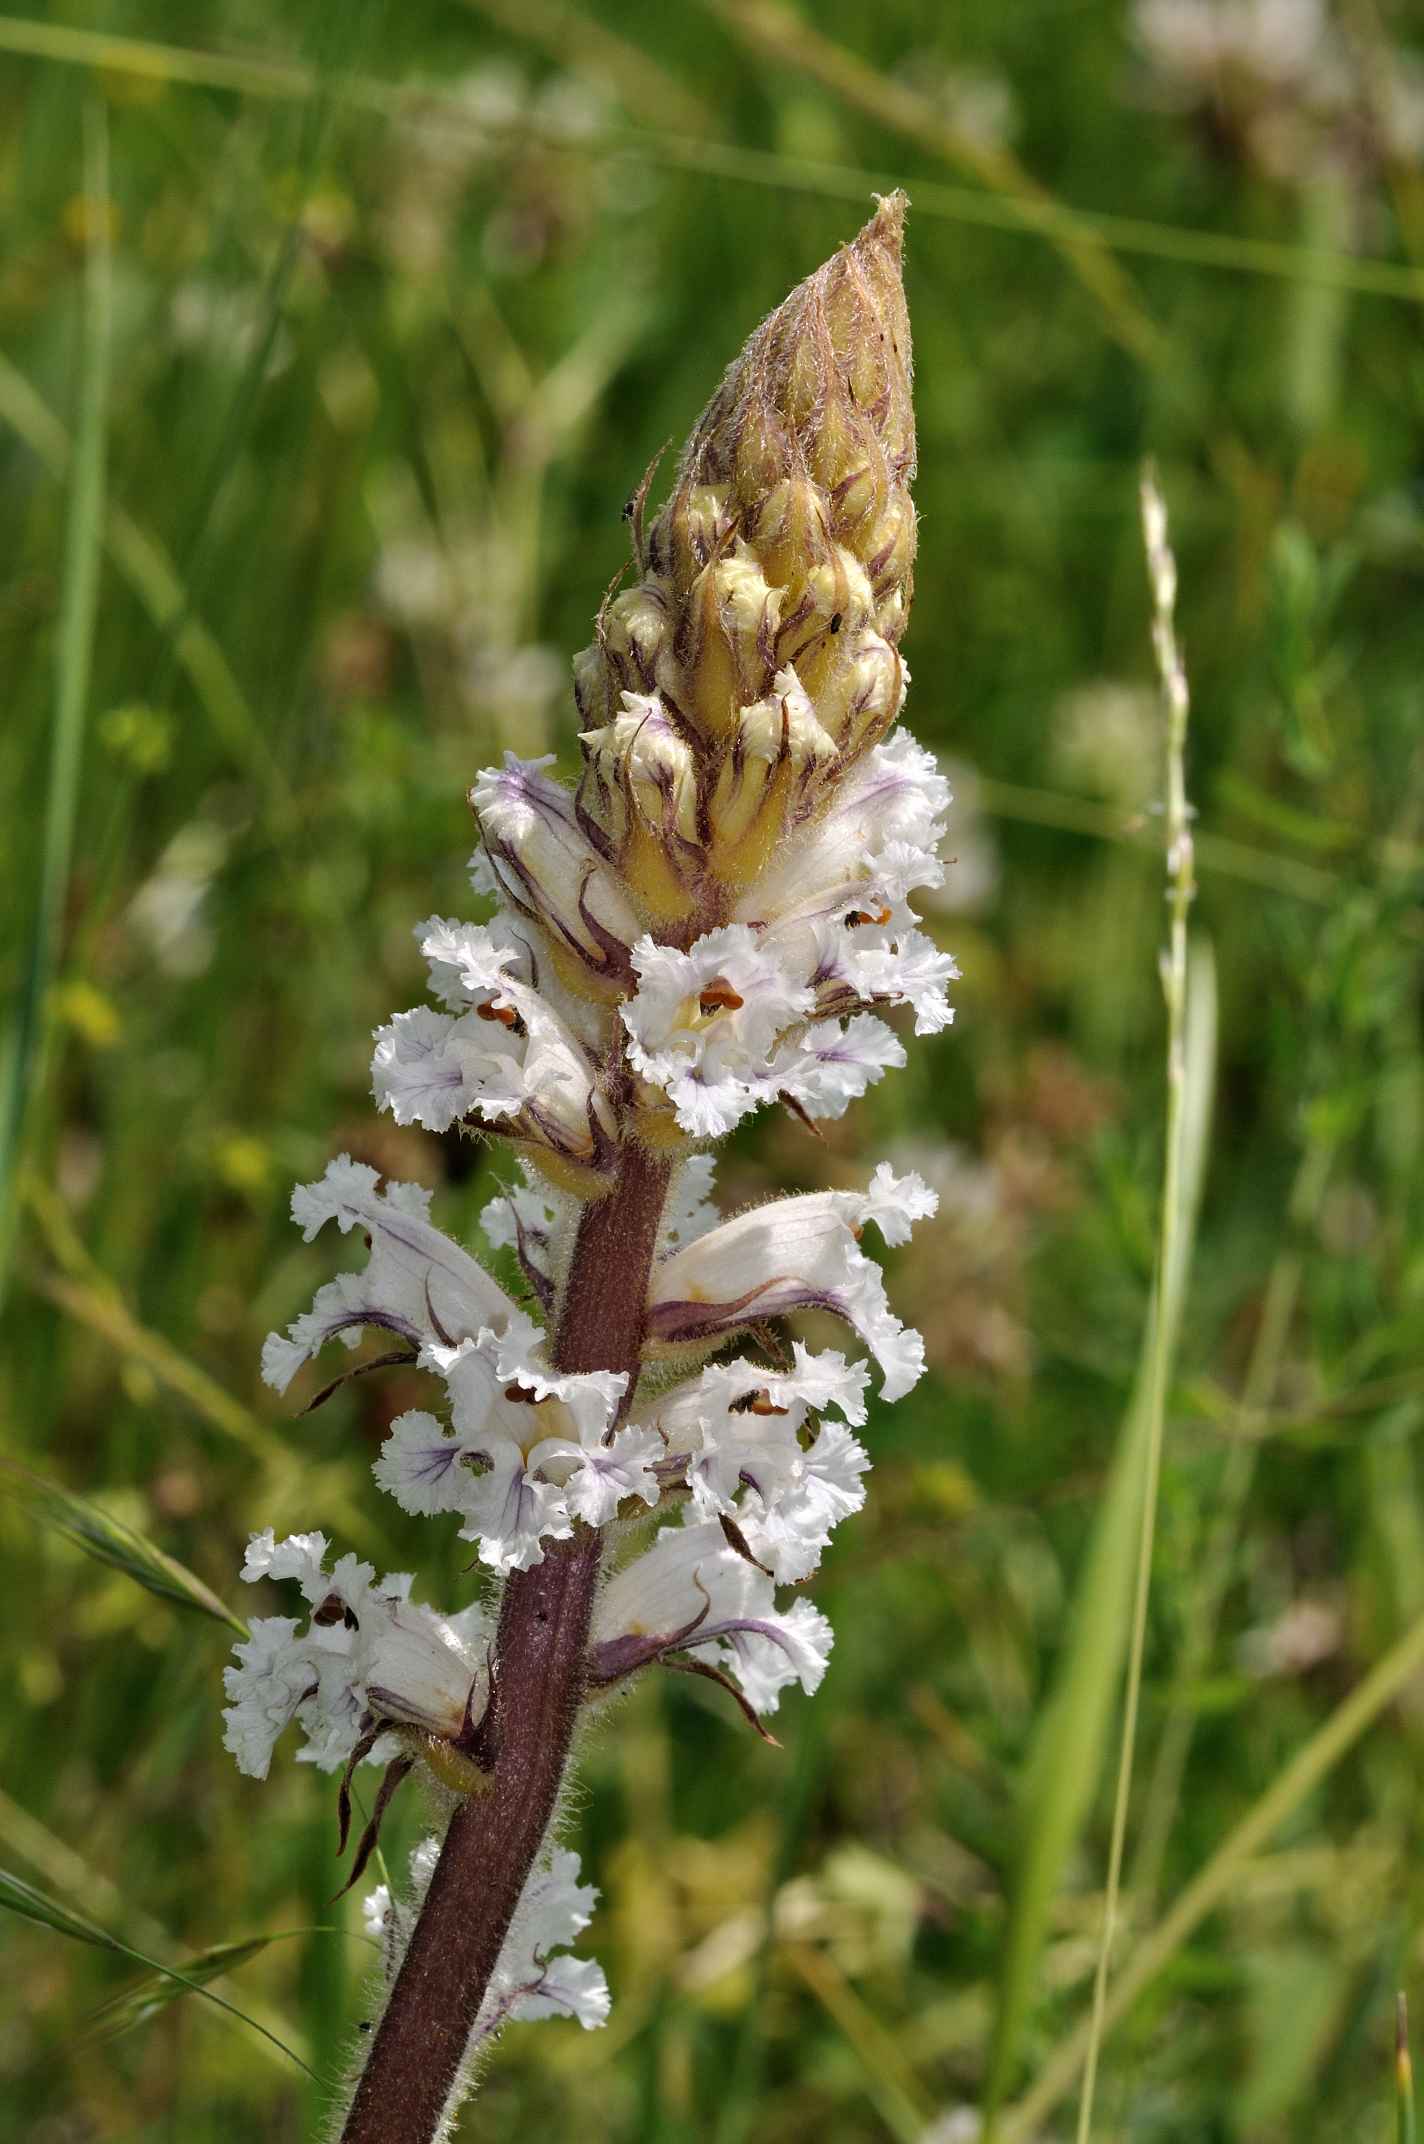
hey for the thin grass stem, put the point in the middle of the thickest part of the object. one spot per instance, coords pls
(1181, 887)
(1262, 1376)
(1216, 1879)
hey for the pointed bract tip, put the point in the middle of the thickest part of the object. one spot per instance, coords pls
(886, 228)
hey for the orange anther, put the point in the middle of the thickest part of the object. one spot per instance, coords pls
(719, 997)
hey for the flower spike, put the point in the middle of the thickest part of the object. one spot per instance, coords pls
(715, 916)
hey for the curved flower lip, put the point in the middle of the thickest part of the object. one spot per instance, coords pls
(797, 1254)
(417, 1283)
(691, 1591)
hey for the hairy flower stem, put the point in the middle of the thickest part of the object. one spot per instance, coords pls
(539, 1669)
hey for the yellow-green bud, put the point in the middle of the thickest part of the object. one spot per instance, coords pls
(864, 695)
(778, 753)
(787, 542)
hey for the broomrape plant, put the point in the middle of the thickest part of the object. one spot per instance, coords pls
(714, 919)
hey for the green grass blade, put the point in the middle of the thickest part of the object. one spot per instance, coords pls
(32, 1904)
(1067, 1756)
(1213, 1882)
(1185, 1112)
(135, 2006)
(122, 1547)
(79, 604)
(154, 578)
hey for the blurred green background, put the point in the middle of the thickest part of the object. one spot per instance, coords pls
(372, 318)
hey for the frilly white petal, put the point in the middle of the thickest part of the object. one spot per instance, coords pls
(703, 1024)
(265, 1687)
(367, 1654)
(788, 1531)
(471, 962)
(831, 1064)
(417, 1284)
(530, 1212)
(691, 1574)
(419, 1465)
(894, 1203)
(604, 1476)
(529, 1981)
(797, 1253)
(690, 1210)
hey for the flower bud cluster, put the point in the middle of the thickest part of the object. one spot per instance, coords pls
(717, 917)
(762, 634)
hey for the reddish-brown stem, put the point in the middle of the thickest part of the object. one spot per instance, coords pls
(539, 1667)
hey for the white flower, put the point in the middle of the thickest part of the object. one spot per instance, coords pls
(703, 1025)
(793, 1254)
(417, 1283)
(533, 1220)
(367, 1656)
(543, 863)
(736, 1435)
(881, 961)
(891, 804)
(528, 1453)
(529, 1982)
(830, 1065)
(691, 1592)
(501, 1053)
(788, 1530)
